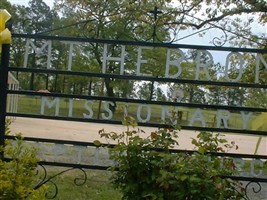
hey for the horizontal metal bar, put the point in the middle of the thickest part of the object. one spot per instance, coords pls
(141, 78)
(138, 43)
(72, 165)
(245, 178)
(156, 125)
(98, 167)
(220, 154)
(83, 166)
(138, 101)
(47, 140)
(225, 130)
(79, 143)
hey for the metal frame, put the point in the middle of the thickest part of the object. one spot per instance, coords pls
(4, 91)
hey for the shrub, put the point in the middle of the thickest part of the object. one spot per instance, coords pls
(146, 168)
(17, 173)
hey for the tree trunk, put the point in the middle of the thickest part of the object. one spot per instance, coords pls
(63, 84)
(32, 81)
(90, 88)
(151, 90)
(32, 74)
(110, 93)
(46, 83)
(191, 94)
(55, 86)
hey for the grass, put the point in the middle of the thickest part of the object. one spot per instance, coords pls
(97, 186)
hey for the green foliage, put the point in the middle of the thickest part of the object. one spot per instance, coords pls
(210, 142)
(145, 167)
(17, 174)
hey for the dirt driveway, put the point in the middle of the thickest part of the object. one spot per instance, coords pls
(88, 132)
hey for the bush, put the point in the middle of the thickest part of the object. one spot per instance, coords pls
(17, 173)
(145, 167)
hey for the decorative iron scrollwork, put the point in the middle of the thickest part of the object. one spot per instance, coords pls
(153, 28)
(252, 188)
(49, 180)
(220, 41)
(155, 13)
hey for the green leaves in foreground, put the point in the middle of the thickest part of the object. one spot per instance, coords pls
(146, 169)
(18, 176)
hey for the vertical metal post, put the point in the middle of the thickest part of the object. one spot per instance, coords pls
(151, 90)
(3, 89)
(155, 13)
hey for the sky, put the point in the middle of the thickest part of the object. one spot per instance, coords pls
(25, 2)
(195, 40)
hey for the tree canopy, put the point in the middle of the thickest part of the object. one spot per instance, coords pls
(136, 19)
(241, 24)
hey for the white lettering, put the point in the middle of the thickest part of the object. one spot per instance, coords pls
(70, 57)
(125, 110)
(198, 116)
(45, 102)
(106, 108)
(88, 108)
(38, 50)
(205, 64)
(175, 63)
(172, 115)
(239, 164)
(259, 58)
(140, 60)
(70, 107)
(241, 63)
(148, 113)
(106, 58)
(222, 118)
(254, 165)
(245, 118)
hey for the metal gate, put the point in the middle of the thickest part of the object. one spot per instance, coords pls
(98, 106)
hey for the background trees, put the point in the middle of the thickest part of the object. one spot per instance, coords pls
(150, 20)
(240, 19)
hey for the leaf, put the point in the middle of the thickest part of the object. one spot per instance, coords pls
(97, 143)
(129, 133)
(106, 135)
(183, 177)
(194, 142)
(154, 135)
(222, 140)
(201, 150)
(150, 196)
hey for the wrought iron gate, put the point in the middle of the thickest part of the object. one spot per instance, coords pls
(192, 117)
